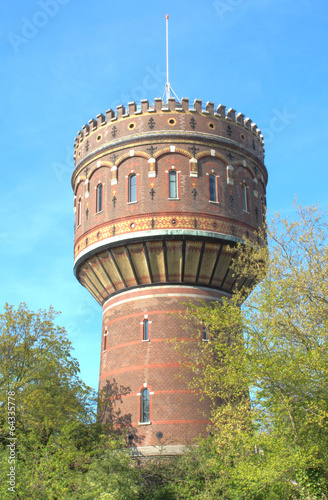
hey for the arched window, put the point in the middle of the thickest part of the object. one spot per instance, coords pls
(79, 212)
(244, 197)
(132, 188)
(173, 185)
(99, 197)
(144, 416)
(145, 326)
(212, 183)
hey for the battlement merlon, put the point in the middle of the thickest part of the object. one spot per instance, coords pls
(159, 106)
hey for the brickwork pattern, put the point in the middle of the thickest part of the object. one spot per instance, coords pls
(175, 410)
(145, 258)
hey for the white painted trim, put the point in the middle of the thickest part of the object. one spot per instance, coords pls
(152, 232)
(151, 296)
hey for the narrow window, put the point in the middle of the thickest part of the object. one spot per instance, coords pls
(263, 210)
(145, 329)
(205, 335)
(173, 191)
(212, 181)
(99, 199)
(105, 340)
(244, 197)
(144, 405)
(79, 212)
(132, 188)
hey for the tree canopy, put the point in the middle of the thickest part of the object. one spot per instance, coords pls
(50, 414)
(266, 364)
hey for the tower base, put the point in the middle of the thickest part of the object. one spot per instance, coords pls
(131, 363)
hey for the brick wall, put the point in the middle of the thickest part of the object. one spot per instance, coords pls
(131, 362)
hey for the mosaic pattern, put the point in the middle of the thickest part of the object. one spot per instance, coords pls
(144, 223)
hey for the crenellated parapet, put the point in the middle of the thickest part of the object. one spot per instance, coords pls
(146, 117)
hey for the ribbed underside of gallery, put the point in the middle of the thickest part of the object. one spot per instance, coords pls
(176, 260)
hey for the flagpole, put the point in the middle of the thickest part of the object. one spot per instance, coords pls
(167, 86)
(168, 89)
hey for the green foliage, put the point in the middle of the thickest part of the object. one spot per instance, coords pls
(112, 476)
(52, 410)
(37, 365)
(267, 365)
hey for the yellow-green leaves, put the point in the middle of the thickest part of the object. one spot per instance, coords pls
(266, 364)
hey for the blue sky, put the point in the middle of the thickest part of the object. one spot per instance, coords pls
(65, 61)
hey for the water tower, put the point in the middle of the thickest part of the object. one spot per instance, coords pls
(162, 192)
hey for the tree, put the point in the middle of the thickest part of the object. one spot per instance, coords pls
(266, 366)
(50, 413)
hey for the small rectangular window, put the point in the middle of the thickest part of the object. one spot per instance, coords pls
(99, 198)
(144, 405)
(173, 187)
(263, 211)
(244, 197)
(212, 183)
(132, 188)
(79, 212)
(205, 333)
(145, 329)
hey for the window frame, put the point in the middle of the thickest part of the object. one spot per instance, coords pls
(204, 333)
(244, 196)
(99, 198)
(144, 413)
(133, 175)
(79, 212)
(214, 178)
(145, 330)
(175, 183)
(263, 211)
(105, 341)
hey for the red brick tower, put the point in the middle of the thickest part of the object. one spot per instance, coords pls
(161, 191)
